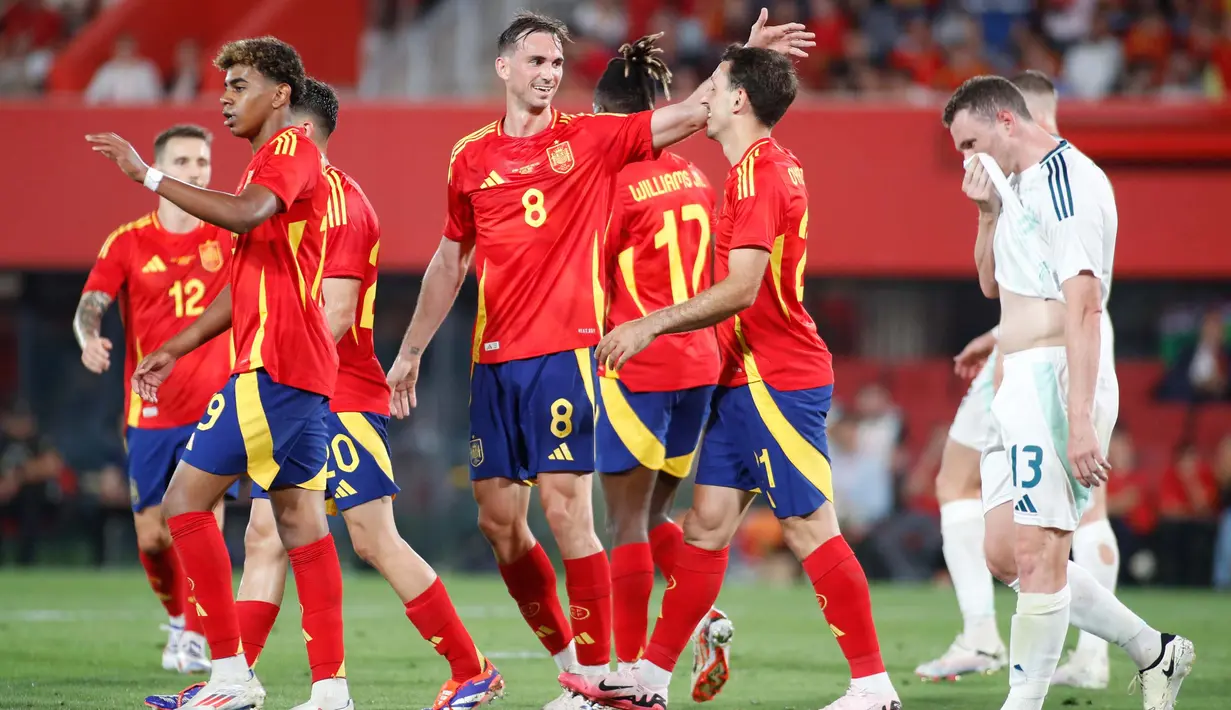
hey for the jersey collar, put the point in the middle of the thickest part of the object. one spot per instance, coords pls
(555, 118)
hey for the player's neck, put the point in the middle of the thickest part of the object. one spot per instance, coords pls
(275, 124)
(175, 220)
(1035, 145)
(521, 122)
(740, 138)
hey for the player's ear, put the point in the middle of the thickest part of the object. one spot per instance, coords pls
(282, 95)
(502, 67)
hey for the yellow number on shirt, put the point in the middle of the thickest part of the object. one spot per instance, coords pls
(799, 270)
(348, 462)
(188, 295)
(217, 403)
(669, 236)
(536, 209)
(562, 418)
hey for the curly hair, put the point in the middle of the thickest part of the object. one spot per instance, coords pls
(632, 79)
(274, 59)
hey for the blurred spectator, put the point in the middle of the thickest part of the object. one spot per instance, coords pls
(917, 52)
(33, 481)
(186, 77)
(909, 541)
(1068, 21)
(1222, 550)
(1131, 503)
(35, 19)
(126, 78)
(1188, 502)
(1092, 66)
(603, 21)
(862, 482)
(1181, 79)
(1200, 372)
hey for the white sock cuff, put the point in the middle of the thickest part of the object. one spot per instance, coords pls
(1015, 585)
(961, 511)
(1040, 604)
(1094, 533)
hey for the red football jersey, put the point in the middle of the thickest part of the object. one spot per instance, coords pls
(658, 254)
(352, 249)
(163, 282)
(536, 209)
(276, 314)
(765, 206)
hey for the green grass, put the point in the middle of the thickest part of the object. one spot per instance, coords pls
(90, 640)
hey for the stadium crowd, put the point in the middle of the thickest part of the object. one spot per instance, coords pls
(872, 49)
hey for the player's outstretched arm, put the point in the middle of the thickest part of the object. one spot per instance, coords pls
(672, 124)
(441, 282)
(1083, 297)
(341, 300)
(715, 304)
(237, 213)
(87, 322)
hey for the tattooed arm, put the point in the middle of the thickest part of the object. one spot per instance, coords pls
(95, 350)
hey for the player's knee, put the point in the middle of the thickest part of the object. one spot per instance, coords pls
(708, 529)
(568, 515)
(153, 539)
(1001, 561)
(499, 525)
(261, 538)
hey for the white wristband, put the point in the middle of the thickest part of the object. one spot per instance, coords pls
(152, 179)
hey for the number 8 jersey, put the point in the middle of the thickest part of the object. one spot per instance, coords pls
(658, 254)
(164, 281)
(536, 209)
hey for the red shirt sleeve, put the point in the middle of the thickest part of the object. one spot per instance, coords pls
(758, 212)
(625, 139)
(348, 246)
(459, 224)
(111, 269)
(289, 175)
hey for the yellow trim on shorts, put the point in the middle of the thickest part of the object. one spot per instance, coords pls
(362, 431)
(258, 439)
(586, 365)
(633, 433)
(679, 466)
(805, 457)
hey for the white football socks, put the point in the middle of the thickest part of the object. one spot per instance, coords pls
(1096, 550)
(1039, 629)
(1098, 611)
(962, 526)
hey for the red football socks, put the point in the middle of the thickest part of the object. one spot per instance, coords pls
(588, 581)
(256, 620)
(531, 581)
(163, 573)
(842, 590)
(433, 614)
(318, 580)
(698, 579)
(203, 554)
(632, 581)
(666, 539)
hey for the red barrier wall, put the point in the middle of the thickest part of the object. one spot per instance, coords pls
(884, 183)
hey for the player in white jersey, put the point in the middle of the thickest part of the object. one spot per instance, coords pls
(979, 649)
(1045, 248)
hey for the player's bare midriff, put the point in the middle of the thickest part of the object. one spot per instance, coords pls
(1027, 322)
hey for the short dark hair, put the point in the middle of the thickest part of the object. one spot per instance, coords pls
(525, 24)
(631, 81)
(1035, 82)
(274, 59)
(985, 96)
(181, 130)
(320, 102)
(766, 76)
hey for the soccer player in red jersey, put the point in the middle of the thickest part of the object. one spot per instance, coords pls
(651, 412)
(529, 196)
(767, 426)
(360, 476)
(165, 268)
(269, 419)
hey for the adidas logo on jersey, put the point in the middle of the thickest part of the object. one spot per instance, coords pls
(154, 265)
(561, 454)
(1025, 506)
(492, 179)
